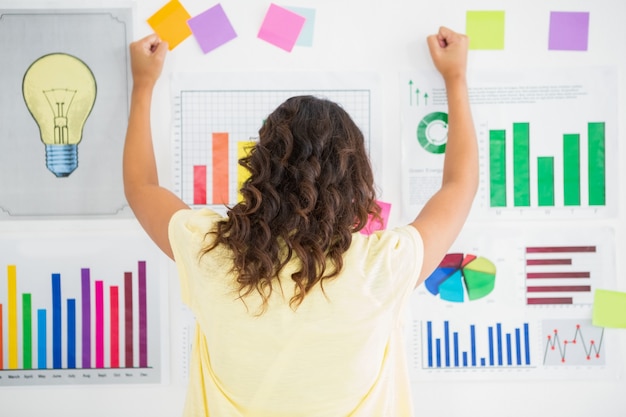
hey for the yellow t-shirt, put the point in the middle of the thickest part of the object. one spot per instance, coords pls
(341, 353)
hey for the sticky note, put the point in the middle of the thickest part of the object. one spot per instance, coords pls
(212, 28)
(306, 34)
(170, 23)
(569, 31)
(281, 27)
(609, 309)
(373, 224)
(485, 29)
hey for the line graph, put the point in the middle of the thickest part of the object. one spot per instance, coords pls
(573, 343)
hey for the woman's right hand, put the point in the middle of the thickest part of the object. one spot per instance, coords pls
(448, 50)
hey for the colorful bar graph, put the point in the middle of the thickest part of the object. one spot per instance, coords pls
(477, 347)
(44, 335)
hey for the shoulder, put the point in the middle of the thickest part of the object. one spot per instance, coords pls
(400, 239)
(192, 224)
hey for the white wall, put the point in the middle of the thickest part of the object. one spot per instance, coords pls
(387, 38)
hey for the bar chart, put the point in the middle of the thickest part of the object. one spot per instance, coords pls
(79, 321)
(217, 126)
(448, 345)
(520, 181)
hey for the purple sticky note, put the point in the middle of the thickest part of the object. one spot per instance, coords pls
(569, 31)
(212, 28)
(373, 224)
(281, 27)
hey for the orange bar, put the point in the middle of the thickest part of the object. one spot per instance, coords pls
(220, 168)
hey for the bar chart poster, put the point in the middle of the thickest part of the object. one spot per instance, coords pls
(547, 142)
(218, 117)
(79, 309)
(563, 267)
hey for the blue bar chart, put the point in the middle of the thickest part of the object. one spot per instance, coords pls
(447, 345)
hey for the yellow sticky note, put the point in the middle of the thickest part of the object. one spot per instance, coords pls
(170, 23)
(609, 309)
(485, 29)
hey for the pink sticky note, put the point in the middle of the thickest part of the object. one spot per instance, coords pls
(281, 27)
(212, 28)
(374, 225)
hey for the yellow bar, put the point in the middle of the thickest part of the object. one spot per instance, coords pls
(243, 148)
(12, 316)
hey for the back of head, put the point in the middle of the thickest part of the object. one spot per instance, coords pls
(310, 187)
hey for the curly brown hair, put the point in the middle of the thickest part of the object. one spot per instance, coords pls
(310, 187)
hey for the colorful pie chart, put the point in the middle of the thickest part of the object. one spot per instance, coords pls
(460, 277)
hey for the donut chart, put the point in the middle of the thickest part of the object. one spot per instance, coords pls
(462, 276)
(432, 132)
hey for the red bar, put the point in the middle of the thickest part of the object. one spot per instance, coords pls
(557, 288)
(548, 261)
(99, 324)
(128, 319)
(555, 300)
(220, 168)
(115, 327)
(143, 316)
(560, 249)
(534, 275)
(199, 184)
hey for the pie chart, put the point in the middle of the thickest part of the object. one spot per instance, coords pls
(460, 277)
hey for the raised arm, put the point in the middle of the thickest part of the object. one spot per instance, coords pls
(152, 204)
(443, 216)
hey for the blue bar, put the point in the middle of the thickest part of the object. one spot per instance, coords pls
(473, 342)
(41, 339)
(438, 351)
(465, 359)
(518, 347)
(429, 340)
(446, 342)
(56, 321)
(527, 343)
(482, 362)
(455, 337)
(509, 353)
(71, 333)
(490, 331)
(499, 341)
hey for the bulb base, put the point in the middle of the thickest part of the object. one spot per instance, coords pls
(62, 160)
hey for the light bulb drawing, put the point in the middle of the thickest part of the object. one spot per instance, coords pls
(60, 90)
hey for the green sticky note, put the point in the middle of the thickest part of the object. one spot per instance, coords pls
(485, 29)
(609, 309)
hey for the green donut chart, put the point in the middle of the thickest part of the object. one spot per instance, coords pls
(432, 132)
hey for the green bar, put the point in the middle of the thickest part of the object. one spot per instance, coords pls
(27, 323)
(521, 165)
(497, 167)
(597, 171)
(545, 181)
(571, 170)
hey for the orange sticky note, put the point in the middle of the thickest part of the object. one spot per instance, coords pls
(170, 23)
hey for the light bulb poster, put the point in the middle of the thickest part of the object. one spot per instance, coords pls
(64, 111)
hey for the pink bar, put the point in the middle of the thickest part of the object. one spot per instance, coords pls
(99, 324)
(548, 261)
(555, 300)
(199, 184)
(560, 249)
(537, 275)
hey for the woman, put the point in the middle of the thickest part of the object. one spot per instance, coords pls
(297, 313)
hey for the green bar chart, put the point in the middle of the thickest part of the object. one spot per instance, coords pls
(573, 175)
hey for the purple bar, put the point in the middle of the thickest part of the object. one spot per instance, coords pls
(537, 275)
(143, 317)
(86, 317)
(560, 249)
(560, 288)
(555, 300)
(548, 262)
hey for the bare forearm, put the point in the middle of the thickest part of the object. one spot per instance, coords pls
(139, 162)
(461, 158)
